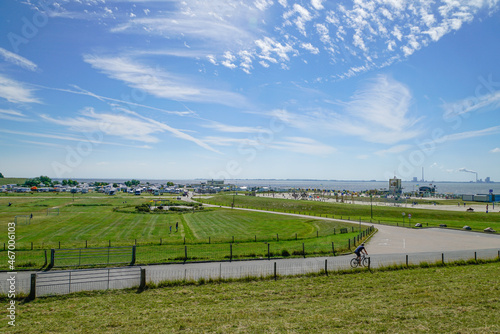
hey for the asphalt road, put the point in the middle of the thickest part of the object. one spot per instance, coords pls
(388, 246)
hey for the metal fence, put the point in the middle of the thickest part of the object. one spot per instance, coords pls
(92, 256)
(69, 281)
(63, 282)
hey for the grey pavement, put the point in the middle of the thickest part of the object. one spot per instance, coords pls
(390, 245)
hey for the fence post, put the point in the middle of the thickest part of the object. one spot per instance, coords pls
(185, 253)
(475, 256)
(52, 257)
(406, 260)
(304, 250)
(268, 253)
(59, 245)
(349, 244)
(369, 263)
(134, 249)
(142, 285)
(326, 267)
(275, 274)
(230, 252)
(45, 253)
(442, 258)
(333, 249)
(108, 253)
(32, 295)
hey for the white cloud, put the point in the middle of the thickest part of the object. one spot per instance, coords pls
(16, 92)
(13, 115)
(235, 129)
(303, 146)
(495, 150)
(263, 4)
(160, 83)
(377, 113)
(471, 134)
(308, 46)
(18, 60)
(393, 150)
(472, 104)
(317, 4)
(129, 127)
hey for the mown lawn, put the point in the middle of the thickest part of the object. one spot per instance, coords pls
(385, 214)
(458, 299)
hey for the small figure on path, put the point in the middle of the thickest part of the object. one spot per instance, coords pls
(31, 216)
(358, 251)
(170, 228)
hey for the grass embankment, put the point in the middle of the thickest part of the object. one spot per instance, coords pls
(385, 214)
(99, 221)
(458, 299)
(12, 180)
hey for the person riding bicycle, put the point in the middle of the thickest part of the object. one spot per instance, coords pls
(358, 251)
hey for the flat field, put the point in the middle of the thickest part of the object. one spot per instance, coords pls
(96, 220)
(454, 299)
(385, 214)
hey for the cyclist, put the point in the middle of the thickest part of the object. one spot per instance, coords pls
(358, 251)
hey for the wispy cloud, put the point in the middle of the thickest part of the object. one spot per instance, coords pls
(471, 134)
(393, 150)
(13, 115)
(303, 145)
(495, 150)
(472, 104)
(235, 129)
(377, 113)
(131, 127)
(18, 60)
(160, 83)
(15, 91)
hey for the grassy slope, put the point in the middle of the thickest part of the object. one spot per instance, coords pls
(387, 215)
(11, 180)
(436, 300)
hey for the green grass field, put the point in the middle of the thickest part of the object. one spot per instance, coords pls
(451, 299)
(385, 214)
(96, 220)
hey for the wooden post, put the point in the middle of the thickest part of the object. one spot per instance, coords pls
(333, 249)
(142, 285)
(32, 295)
(275, 272)
(304, 250)
(230, 252)
(326, 267)
(268, 252)
(406, 260)
(185, 253)
(133, 255)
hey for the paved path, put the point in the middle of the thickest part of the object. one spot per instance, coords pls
(389, 245)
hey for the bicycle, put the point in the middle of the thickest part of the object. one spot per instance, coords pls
(362, 262)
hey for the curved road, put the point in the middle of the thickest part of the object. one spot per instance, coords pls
(389, 245)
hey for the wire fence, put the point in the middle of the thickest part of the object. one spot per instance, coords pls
(168, 253)
(69, 281)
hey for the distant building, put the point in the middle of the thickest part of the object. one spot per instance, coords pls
(215, 183)
(415, 179)
(395, 186)
(487, 179)
(425, 191)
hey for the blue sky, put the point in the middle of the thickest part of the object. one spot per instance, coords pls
(250, 89)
